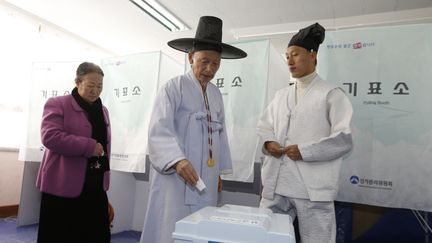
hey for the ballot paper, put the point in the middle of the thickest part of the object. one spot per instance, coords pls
(200, 185)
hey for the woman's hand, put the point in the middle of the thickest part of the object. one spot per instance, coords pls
(98, 150)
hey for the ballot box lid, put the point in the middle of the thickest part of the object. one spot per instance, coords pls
(234, 224)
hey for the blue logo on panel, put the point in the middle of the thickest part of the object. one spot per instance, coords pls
(354, 179)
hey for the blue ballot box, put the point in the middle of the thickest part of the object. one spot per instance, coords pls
(234, 224)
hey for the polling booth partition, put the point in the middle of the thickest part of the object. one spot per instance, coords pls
(386, 73)
(389, 89)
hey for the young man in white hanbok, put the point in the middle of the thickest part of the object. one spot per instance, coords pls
(305, 132)
(187, 135)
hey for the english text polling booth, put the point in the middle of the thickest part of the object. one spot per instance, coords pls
(386, 72)
(247, 85)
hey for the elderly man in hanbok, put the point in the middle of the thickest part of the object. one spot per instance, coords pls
(305, 132)
(187, 135)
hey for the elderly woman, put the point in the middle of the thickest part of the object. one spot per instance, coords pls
(74, 173)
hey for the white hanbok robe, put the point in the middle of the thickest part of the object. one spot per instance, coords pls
(320, 125)
(179, 130)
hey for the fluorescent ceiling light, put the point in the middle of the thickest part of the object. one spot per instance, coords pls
(160, 14)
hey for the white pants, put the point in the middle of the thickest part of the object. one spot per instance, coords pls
(317, 220)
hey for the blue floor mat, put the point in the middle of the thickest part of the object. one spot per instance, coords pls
(9, 233)
(396, 226)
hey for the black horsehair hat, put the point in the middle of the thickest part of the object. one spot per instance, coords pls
(309, 38)
(208, 36)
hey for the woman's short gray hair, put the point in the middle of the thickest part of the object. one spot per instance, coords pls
(86, 68)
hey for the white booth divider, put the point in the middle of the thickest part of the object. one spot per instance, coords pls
(386, 72)
(130, 84)
(49, 79)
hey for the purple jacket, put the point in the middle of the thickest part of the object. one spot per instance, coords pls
(66, 135)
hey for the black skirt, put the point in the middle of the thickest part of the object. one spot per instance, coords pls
(82, 219)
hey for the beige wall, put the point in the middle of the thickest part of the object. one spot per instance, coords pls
(11, 172)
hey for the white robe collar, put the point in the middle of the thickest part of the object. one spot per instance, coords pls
(312, 78)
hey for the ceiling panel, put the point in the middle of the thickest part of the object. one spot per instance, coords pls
(122, 28)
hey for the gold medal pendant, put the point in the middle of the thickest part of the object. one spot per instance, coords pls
(211, 162)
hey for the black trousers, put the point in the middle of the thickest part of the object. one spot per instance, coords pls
(82, 219)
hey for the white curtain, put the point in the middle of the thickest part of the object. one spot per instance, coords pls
(246, 86)
(386, 72)
(130, 87)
